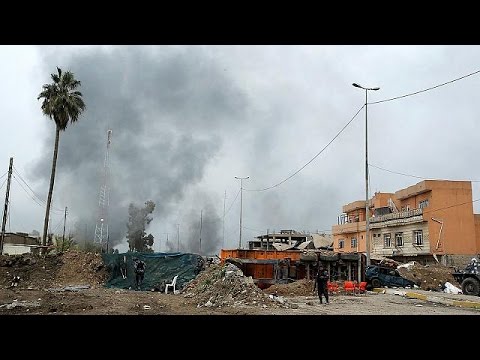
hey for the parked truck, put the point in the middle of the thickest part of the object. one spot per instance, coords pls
(469, 278)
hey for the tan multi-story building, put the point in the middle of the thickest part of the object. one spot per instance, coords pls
(427, 222)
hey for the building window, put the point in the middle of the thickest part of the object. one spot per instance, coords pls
(399, 239)
(423, 204)
(353, 243)
(387, 240)
(418, 237)
(341, 244)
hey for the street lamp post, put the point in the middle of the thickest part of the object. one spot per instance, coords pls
(367, 216)
(241, 207)
(178, 237)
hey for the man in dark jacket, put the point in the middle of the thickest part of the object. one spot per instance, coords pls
(321, 283)
(139, 267)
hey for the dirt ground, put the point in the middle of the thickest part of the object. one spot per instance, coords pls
(100, 301)
(72, 283)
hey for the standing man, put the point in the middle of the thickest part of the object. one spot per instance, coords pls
(123, 267)
(139, 267)
(321, 283)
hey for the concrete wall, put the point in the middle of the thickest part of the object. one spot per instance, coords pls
(451, 203)
(476, 218)
(347, 232)
(408, 247)
(14, 249)
(381, 199)
(459, 261)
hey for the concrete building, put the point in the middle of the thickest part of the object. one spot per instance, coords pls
(289, 239)
(430, 221)
(20, 243)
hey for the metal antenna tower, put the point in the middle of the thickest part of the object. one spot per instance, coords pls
(101, 226)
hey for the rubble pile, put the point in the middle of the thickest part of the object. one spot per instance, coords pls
(79, 267)
(225, 285)
(301, 287)
(53, 270)
(29, 271)
(428, 277)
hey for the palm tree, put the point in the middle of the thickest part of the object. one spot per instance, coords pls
(64, 104)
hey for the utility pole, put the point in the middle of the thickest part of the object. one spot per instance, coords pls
(201, 222)
(268, 230)
(223, 238)
(241, 207)
(178, 237)
(64, 223)
(5, 209)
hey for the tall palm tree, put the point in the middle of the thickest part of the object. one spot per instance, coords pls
(64, 104)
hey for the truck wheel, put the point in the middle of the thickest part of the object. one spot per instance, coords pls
(376, 283)
(471, 286)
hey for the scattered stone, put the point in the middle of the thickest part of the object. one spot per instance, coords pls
(24, 304)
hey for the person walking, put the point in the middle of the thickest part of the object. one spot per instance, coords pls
(321, 283)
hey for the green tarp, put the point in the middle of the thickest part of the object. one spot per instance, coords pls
(160, 269)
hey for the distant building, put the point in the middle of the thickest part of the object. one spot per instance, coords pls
(290, 239)
(427, 222)
(20, 243)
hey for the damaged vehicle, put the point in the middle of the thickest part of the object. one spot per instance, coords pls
(469, 278)
(381, 276)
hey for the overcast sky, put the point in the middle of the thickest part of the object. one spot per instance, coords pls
(187, 119)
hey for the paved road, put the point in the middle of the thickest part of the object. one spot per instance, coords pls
(378, 304)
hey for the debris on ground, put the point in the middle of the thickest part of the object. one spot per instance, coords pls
(428, 277)
(52, 270)
(23, 304)
(301, 287)
(451, 289)
(79, 267)
(225, 285)
(70, 288)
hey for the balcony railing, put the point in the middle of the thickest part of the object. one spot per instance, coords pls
(397, 215)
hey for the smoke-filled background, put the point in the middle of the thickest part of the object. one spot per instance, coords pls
(187, 119)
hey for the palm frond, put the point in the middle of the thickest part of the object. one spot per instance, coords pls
(61, 102)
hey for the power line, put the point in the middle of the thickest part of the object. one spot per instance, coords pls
(33, 192)
(37, 201)
(424, 90)
(4, 181)
(4, 175)
(413, 176)
(448, 207)
(226, 212)
(233, 202)
(26, 192)
(56, 227)
(304, 166)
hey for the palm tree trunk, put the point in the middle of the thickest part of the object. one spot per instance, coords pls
(50, 190)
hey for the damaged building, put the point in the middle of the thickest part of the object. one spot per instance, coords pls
(430, 222)
(290, 255)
